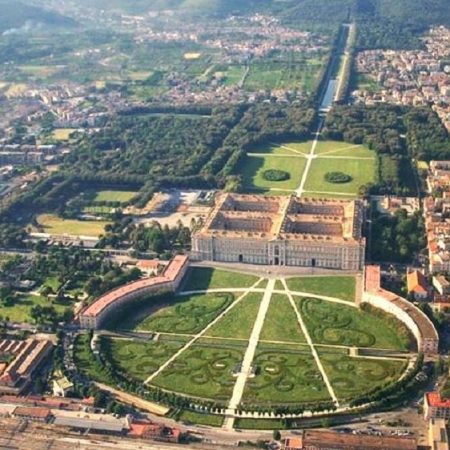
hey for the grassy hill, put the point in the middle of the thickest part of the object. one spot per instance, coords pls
(15, 14)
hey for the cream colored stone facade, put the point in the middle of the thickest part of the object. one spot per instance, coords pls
(285, 231)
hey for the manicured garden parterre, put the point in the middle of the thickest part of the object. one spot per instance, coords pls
(286, 372)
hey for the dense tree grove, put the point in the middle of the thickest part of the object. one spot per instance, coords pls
(398, 238)
(426, 137)
(380, 128)
(383, 128)
(162, 241)
(195, 148)
(397, 24)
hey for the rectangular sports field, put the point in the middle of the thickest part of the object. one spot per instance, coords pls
(114, 196)
(55, 225)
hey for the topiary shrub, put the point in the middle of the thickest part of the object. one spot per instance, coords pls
(276, 175)
(337, 177)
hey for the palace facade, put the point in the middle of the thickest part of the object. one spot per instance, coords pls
(285, 231)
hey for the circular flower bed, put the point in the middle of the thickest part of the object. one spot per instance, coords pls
(276, 175)
(338, 177)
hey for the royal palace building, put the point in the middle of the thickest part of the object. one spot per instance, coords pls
(284, 231)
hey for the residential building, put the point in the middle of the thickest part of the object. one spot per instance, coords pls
(417, 285)
(437, 434)
(436, 407)
(441, 284)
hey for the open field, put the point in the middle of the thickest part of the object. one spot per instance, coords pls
(55, 225)
(258, 424)
(114, 196)
(139, 359)
(230, 76)
(199, 278)
(202, 371)
(20, 310)
(186, 314)
(290, 72)
(62, 134)
(366, 374)
(210, 420)
(238, 323)
(342, 287)
(281, 322)
(336, 324)
(339, 148)
(253, 168)
(362, 172)
(285, 376)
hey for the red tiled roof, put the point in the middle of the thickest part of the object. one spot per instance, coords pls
(25, 411)
(434, 399)
(294, 443)
(372, 278)
(148, 263)
(416, 282)
(170, 274)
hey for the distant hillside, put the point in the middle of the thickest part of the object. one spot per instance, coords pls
(15, 15)
(194, 6)
(397, 24)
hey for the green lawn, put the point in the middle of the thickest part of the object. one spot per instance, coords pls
(139, 359)
(253, 168)
(362, 172)
(285, 71)
(186, 314)
(55, 225)
(285, 149)
(352, 377)
(114, 196)
(231, 76)
(192, 417)
(21, 308)
(199, 279)
(337, 324)
(238, 323)
(259, 424)
(332, 286)
(339, 148)
(85, 361)
(203, 370)
(285, 376)
(281, 322)
(52, 282)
